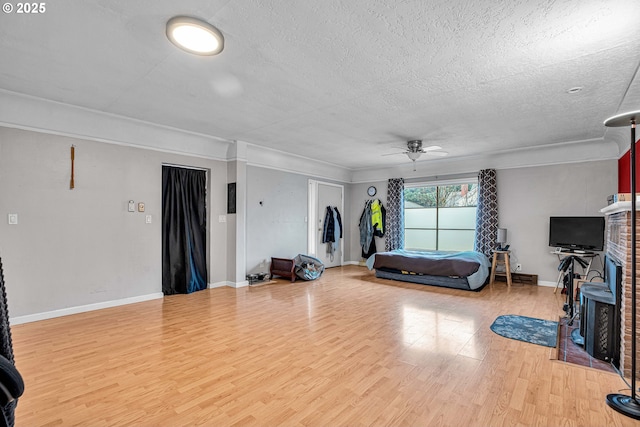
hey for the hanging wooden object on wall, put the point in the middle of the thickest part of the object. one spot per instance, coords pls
(73, 158)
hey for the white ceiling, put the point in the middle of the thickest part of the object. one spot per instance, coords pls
(343, 82)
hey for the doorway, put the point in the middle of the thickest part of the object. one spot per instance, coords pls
(321, 195)
(184, 230)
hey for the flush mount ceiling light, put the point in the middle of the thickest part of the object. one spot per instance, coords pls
(574, 90)
(195, 36)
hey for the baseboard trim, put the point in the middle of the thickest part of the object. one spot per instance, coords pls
(220, 284)
(82, 308)
(229, 284)
(547, 283)
(237, 285)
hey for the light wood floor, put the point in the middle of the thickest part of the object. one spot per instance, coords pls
(347, 349)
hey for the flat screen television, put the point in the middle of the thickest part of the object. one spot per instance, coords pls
(584, 233)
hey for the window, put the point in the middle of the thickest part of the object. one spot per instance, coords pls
(440, 217)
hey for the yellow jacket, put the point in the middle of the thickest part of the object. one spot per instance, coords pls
(376, 216)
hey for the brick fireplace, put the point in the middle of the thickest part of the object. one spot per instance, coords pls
(618, 233)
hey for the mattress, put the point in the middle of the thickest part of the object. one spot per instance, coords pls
(471, 266)
(425, 279)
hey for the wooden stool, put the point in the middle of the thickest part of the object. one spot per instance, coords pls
(505, 262)
(284, 267)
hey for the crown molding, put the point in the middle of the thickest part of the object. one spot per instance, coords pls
(41, 115)
(52, 117)
(551, 154)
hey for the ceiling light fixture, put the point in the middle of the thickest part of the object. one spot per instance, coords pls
(195, 36)
(414, 155)
(574, 89)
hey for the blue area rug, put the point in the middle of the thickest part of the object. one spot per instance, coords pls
(527, 329)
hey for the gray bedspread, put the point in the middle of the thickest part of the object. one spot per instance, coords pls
(468, 264)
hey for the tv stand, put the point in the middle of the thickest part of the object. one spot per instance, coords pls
(563, 253)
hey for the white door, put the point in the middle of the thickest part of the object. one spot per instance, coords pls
(326, 195)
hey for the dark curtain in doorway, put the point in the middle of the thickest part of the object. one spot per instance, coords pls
(184, 262)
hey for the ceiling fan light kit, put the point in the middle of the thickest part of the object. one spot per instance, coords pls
(195, 36)
(415, 150)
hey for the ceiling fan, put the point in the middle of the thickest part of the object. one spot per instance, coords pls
(415, 150)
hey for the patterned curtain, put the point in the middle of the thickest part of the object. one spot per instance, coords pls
(395, 215)
(487, 212)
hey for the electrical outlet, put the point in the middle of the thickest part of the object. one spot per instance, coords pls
(518, 267)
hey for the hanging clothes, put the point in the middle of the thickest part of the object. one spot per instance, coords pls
(378, 218)
(366, 229)
(372, 224)
(332, 230)
(372, 249)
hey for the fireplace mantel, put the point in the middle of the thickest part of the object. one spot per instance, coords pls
(619, 207)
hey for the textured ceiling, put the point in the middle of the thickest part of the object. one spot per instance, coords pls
(341, 81)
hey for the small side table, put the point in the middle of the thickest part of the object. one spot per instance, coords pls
(505, 262)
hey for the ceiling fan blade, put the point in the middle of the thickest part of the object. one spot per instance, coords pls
(437, 153)
(392, 154)
(431, 148)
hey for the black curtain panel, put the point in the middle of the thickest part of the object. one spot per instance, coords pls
(184, 237)
(6, 348)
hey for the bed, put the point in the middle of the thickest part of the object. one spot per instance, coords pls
(467, 270)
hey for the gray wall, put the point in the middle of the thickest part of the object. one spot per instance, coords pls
(356, 203)
(527, 197)
(78, 247)
(278, 227)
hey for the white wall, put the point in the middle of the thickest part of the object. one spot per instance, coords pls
(80, 247)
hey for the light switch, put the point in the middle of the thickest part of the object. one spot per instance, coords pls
(12, 218)
(148, 219)
(132, 206)
(222, 218)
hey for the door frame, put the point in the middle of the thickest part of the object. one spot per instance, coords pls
(312, 218)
